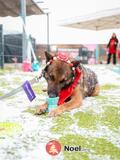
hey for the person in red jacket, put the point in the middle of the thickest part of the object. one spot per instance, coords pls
(112, 48)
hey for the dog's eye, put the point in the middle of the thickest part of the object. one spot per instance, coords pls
(62, 81)
(51, 77)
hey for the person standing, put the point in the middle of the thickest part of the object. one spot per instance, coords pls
(112, 48)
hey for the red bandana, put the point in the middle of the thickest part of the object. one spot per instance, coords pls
(67, 92)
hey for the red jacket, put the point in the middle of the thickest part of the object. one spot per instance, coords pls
(112, 45)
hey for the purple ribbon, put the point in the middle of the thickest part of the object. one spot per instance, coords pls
(28, 90)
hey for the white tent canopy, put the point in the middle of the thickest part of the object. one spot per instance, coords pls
(12, 8)
(108, 19)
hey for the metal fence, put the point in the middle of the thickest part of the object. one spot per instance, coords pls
(13, 47)
(1, 47)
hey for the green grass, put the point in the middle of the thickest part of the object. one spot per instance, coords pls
(17, 80)
(74, 140)
(31, 110)
(9, 128)
(1, 72)
(111, 117)
(107, 99)
(6, 70)
(62, 123)
(109, 86)
(101, 97)
(38, 88)
(86, 119)
(4, 84)
(98, 147)
(1, 94)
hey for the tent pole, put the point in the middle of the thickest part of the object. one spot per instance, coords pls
(24, 35)
(97, 53)
(48, 43)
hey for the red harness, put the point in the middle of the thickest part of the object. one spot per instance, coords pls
(67, 92)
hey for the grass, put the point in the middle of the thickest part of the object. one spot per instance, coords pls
(103, 147)
(4, 84)
(33, 111)
(30, 110)
(74, 140)
(86, 119)
(89, 120)
(1, 93)
(9, 128)
(37, 89)
(6, 70)
(101, 97)
(17, 80)
(109, 86)
(62, 123)
(111, 117)
(95, 146)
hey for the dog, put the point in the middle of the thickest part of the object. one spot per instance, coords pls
(69, 80)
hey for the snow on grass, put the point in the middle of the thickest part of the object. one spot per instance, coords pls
(95, 126)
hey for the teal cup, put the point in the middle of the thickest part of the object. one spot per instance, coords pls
(52, 103)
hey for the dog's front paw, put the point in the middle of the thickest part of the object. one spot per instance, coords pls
(55, 112)
(41, 109)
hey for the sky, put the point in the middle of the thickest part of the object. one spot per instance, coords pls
(60, 10)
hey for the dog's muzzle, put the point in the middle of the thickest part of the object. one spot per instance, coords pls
(52, 94)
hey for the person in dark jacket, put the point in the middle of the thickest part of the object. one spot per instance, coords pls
(112, 48)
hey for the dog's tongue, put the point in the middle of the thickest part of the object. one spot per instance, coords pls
(67, 92)
(63, 56)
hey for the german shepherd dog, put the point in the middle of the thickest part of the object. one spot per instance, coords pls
(60, 74)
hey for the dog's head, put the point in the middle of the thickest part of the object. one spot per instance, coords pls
(58, 74)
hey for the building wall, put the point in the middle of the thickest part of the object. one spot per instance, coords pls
(72, 49)
(41, 48)
(84, 51)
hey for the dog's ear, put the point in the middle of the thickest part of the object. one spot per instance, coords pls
(76, 63)
(48, 56)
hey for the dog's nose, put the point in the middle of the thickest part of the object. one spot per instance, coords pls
(52, 95)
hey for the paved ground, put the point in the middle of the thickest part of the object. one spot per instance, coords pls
(95, 126)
